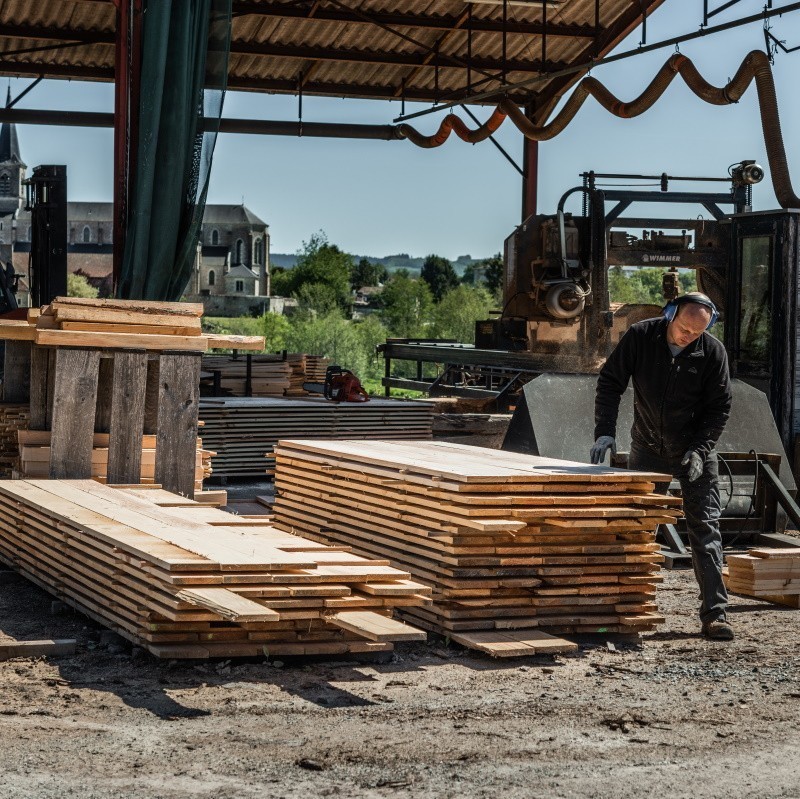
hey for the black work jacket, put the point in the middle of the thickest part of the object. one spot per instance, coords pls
(680, 402)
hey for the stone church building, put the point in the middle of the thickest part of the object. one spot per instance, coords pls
(231, 275)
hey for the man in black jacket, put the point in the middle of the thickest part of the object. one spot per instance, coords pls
(682, 400)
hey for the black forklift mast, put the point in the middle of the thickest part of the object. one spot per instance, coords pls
(47, 202)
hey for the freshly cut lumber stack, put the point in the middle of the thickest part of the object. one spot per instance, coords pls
(316, 366)
(13, 418)
(124, 324)
(186, 580)
(772, 574)
(270, 375)
(243, 431)
(507, 542)
(34, 457)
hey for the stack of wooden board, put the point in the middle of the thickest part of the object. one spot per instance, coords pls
(772, 574)
(34, 457)
(316, 367)
(191, 581)
(13, 418)
(125, 324)
(507, 542)
(243, 431)
(270, 375)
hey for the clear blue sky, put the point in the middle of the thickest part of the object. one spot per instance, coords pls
(380, 198)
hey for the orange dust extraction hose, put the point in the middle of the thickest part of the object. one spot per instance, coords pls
(756, 66)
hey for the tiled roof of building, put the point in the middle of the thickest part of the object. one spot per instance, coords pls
(242, 271)
(231, 215)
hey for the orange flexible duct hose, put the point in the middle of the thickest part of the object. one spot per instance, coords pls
(755, 65)
(453, 123)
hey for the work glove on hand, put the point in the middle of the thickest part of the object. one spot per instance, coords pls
(601, 446)
(694, 465)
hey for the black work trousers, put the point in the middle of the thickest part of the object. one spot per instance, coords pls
(701, 506)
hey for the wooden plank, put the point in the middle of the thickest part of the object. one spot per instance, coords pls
(144, 306)
(74, 403)
(110, 327)
(375, 627)
(224, 341)
(514, 643)
(463, 464)
(41, 438)
(16, 330)
(129, 385)
(228, 604)
(34, 649)
(40, 364)
(75, 318)
(77, 338)
(17, 371)
(176, 435)
(786, 552)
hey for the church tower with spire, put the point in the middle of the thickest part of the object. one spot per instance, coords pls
(12, 168)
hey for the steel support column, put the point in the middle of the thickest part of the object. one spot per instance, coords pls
(530, 172)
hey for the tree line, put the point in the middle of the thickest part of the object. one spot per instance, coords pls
(436, 305)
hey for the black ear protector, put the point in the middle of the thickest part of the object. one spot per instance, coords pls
(671, 308)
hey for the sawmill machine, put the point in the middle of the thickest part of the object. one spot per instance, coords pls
(557, 316)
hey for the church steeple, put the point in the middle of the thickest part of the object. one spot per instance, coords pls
(12, 167)
(9, 144)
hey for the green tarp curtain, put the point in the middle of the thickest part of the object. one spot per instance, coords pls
(184, 59)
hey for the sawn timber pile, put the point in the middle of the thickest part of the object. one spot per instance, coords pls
(188, 581)
(13, 418)
(34, 457)
(772, 574)
(243, 431)
(506, 541)
(124, 324)
(270, 375)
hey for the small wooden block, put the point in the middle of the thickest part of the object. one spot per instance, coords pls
(32, 649)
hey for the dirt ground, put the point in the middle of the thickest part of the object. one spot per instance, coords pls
(670, 716)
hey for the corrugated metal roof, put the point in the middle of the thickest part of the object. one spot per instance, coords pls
(422, 50)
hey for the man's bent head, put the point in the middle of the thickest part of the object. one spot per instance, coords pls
(689, 323)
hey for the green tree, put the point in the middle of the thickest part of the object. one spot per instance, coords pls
(318, 298)
(320, 262)
(280, 281)
(371, 332)
(439, 274)
(406, 306)
(455, 316)
(493, 269)
(275, 328)
(79, 286)
(367, 273)
(334, 337)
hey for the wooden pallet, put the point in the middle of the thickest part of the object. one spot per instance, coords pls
(506, 542)
(185, 582)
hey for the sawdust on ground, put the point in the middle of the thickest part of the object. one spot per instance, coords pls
(671, 716)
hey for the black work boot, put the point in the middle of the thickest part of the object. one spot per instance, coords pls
(718, 630)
